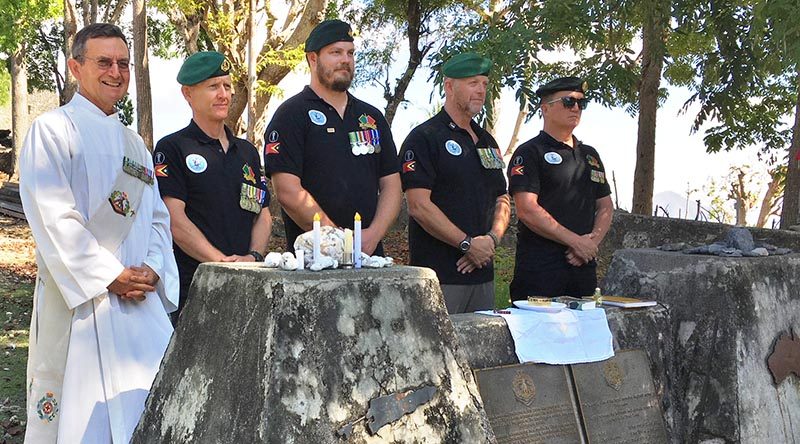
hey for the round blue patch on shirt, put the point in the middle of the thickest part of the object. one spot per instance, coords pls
(453, 147)
(553, 158)
(196, 163)
(317, 117)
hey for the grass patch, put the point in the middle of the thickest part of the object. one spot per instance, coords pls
(15, 309)
(503, 272)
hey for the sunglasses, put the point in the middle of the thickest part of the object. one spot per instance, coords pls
(569, 102)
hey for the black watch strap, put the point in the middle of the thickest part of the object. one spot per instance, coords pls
(465, 244)
(256, 255)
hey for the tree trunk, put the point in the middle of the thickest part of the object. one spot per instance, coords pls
(515, 134)
(790, 214)
(739, 194)
(70, 29)
(767, 203)
(144, 102)
(19, 105)
(251, 71)
(415, 56)
(653, 49)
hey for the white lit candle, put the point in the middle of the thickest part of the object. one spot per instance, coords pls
(357, 241)
(316, 254)
(348, 247)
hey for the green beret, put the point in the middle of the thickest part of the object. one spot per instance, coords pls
(327, 32)
(201, 66)
(562, 84)
(466, 64)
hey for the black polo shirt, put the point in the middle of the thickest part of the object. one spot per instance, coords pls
(193, 167)
(464, 182)
(338, 160)
(568, 182)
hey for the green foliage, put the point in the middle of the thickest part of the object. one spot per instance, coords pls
(332, 10)
(42, 56)
(21, 19)
(503, 273)
(745, 84)
(188, 7)
(125, 108)
(384, 26)
(163, 39)
(5, 85)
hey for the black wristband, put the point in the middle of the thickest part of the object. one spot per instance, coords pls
(256, 255)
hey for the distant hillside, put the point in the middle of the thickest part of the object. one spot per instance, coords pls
(675, 205)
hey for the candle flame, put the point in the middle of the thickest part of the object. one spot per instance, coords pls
(358, 217)
(316, 217)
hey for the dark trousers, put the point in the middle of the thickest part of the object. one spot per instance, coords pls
(551, 275)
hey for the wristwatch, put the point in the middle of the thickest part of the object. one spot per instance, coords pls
(465, 244)
(256, 255)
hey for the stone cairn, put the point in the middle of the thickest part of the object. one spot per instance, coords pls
(737, 242)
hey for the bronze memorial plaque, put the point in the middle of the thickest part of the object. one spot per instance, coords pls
(618, 400)
(529, 403)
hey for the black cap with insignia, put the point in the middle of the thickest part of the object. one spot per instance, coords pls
(201, 66)
(466, 64)
(562, 84)
(327, 32)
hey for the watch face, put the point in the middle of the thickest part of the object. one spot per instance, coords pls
(465, 244)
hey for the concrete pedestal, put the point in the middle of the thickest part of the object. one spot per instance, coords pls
(270, 356)
(725, 316)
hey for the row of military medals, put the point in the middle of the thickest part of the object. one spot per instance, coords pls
(364, 142)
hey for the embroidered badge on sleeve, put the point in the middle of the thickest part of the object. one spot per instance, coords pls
(161, 170)
(120, 203)
(273, 148)
(47, 407)
(517, 168)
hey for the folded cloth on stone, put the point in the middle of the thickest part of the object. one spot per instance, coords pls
(565, 337)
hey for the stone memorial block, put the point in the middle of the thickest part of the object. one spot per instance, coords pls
(725, 316)
(618, 400)
(338, 356)
(529, 403)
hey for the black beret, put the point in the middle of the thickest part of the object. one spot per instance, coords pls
(562, 84)
(466, 64)
(201, 66)
(327, 32)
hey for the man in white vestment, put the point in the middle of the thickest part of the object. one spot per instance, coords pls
(107, 276)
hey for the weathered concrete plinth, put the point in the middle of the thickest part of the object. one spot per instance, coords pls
(291, 357)
(726, 314)
(486, 342)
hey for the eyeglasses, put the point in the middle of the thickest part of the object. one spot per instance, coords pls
(105, 63)
(569, 102)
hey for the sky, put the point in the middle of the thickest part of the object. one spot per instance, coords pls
(681, 160)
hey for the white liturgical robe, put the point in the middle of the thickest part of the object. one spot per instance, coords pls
(93, 355)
